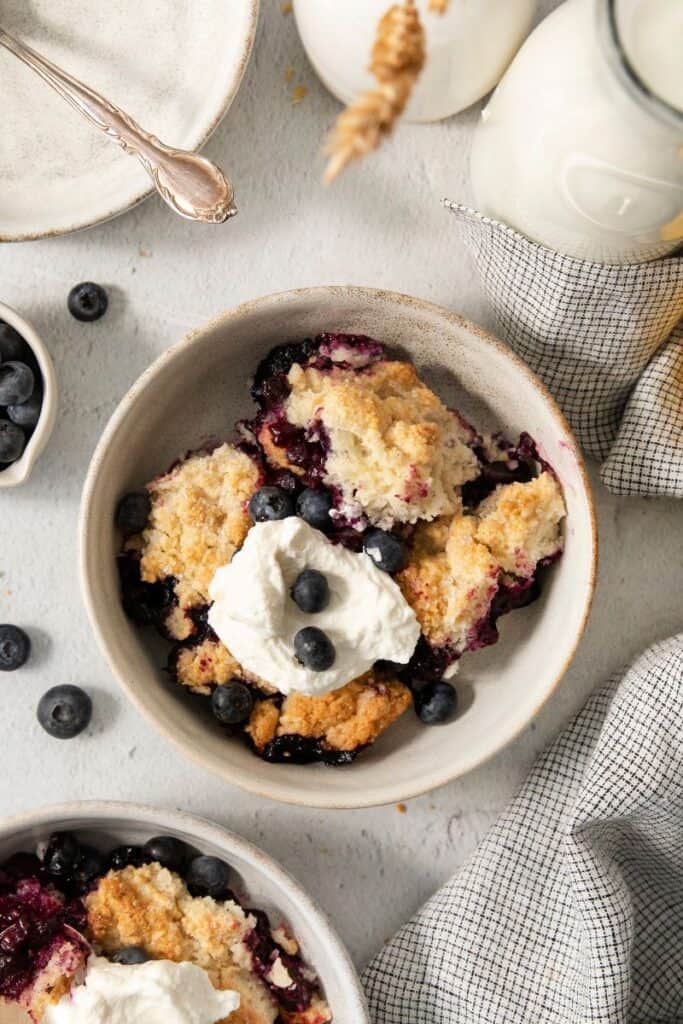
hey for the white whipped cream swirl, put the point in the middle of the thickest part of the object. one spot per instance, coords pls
(367, 618)
(156, 992)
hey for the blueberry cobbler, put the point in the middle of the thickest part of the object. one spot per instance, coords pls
(147, 934)
(325, 571)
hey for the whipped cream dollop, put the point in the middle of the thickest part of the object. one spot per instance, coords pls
(367, 618)
(156, 992)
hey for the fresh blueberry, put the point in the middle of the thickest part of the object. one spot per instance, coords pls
(16, 382)
(436, 703)
(15, 647)
(168, 851)
(12, 441)
(132, 512)
(207, 876)
(64, 711)
(314, 508)
(386, 550)
(270, 503)
(87, 301)
(311, 591)
(314, 649)
(232, 702)
(62, 854)
(27, 414)
(126, 856)
(12, 345)
(129, 956)
(91, 865)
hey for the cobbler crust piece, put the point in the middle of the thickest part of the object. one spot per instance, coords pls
(198, 519)
(344, 720)
(208, 663)
(450, 580)
(152, 908)
(520, 523)
(395, 453)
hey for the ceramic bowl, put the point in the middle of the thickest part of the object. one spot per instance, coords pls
(197, 389)
(18, 472)
(268, 886)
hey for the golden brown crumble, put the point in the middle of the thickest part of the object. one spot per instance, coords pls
(152, 908)
(198, 519)
(348, 718)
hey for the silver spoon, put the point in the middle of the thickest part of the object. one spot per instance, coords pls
(190, 184)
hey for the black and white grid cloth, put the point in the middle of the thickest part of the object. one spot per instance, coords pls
(571, 910)
(606, 340)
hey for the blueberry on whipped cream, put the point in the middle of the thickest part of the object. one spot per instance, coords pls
(253, 615)
(328, 568)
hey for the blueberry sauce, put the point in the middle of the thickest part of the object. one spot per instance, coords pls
(35, 924)
(296, 749)
(147, 604)
(298, 996)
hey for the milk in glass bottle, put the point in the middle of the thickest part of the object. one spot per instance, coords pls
(581, 145)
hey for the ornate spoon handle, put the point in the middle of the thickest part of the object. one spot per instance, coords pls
(190, 184)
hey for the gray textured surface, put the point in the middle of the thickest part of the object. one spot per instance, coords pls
(382, 225)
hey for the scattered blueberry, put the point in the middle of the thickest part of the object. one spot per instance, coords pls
(314, 649)
(12, 441)
(311, 591)
(126, 856)
(436, 703)
(129, 956)
(132, 512)
(87, 301)
(62, 854)
(270, 503)
(12, 345)
(387, 551)
(232, 702)
(64, 711)
(207, 876)
(15, 647)
(168, 851)
(27, 414)
(16, 382)
(314, 508)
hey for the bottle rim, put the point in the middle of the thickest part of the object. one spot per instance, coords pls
(629, 77)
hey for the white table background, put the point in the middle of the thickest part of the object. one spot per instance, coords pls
(381, 225)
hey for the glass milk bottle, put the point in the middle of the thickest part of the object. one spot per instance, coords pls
(581, 145)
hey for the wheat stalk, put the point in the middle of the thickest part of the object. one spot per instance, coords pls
(438, 6)
(397, 58)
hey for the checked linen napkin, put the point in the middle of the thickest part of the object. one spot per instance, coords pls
(606, 340)
(571, 910)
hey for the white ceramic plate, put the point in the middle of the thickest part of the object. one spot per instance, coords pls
(195, 390)
(268, 886)
(175, 65)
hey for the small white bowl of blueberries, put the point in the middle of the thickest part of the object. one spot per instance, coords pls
(28, 397)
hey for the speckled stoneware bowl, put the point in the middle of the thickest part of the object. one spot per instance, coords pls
(18, 472)
(267, 885)
(197, 389)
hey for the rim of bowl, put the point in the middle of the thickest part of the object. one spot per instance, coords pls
(228, 99)
(18, 472)
(103, 811)
(280, 791)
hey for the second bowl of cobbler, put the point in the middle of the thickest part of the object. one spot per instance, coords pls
(339, 544)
